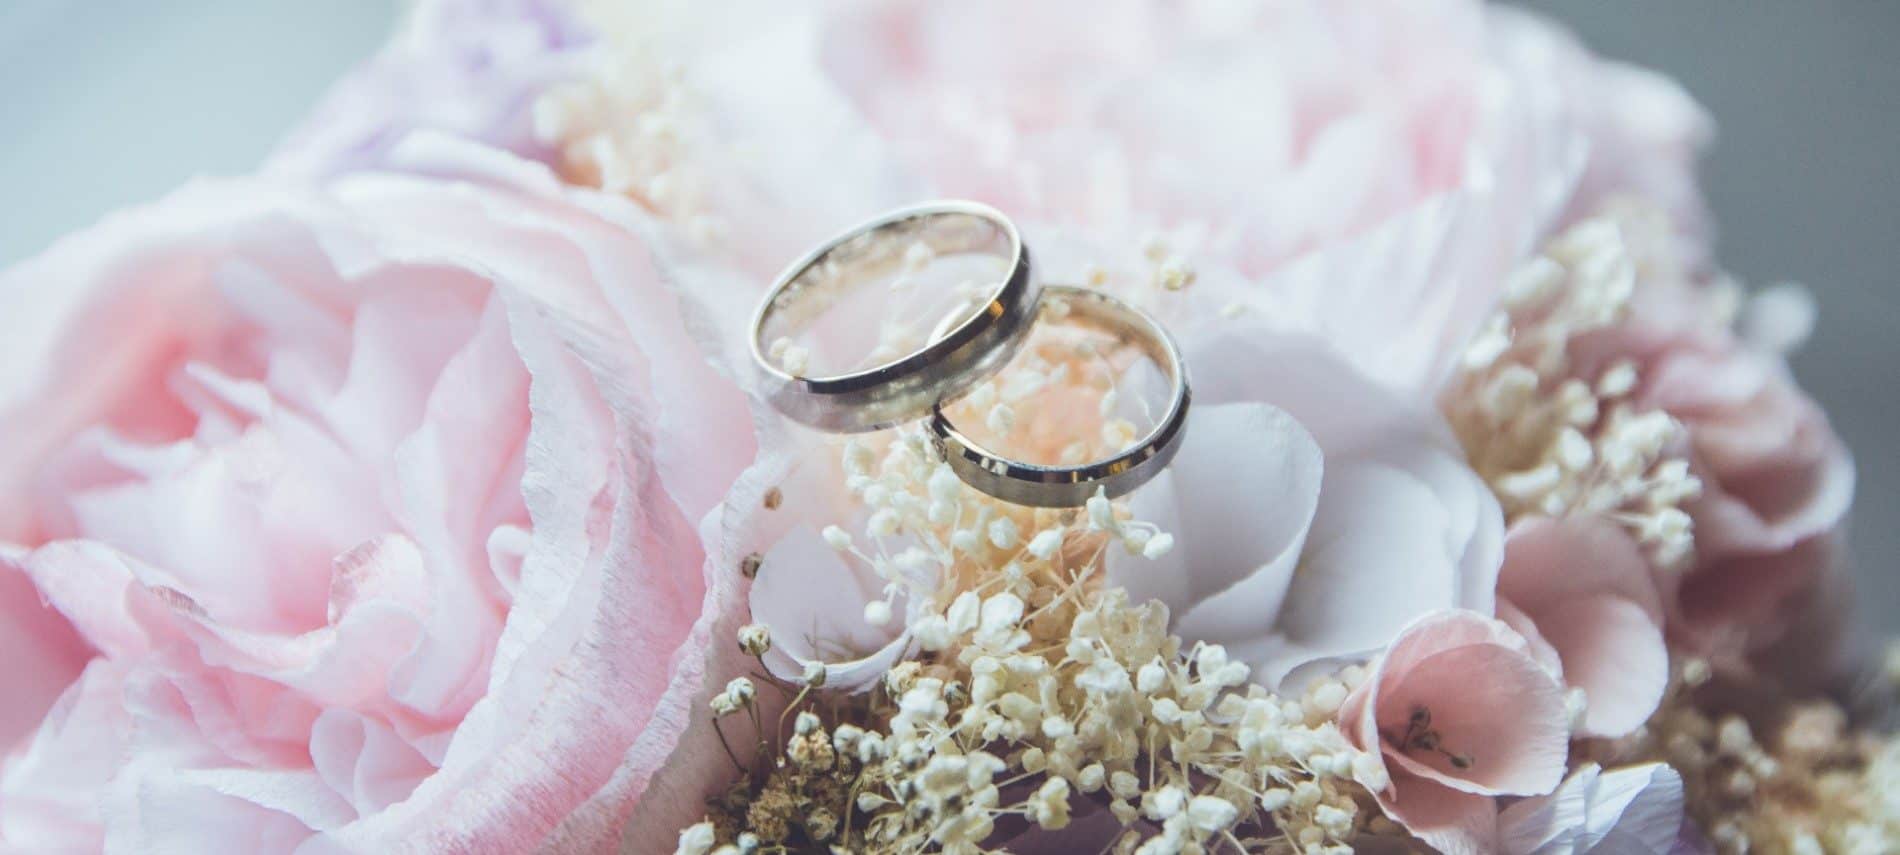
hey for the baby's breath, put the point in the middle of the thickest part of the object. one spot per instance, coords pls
(1035, 685)
(1766, 771)
(1551, 441)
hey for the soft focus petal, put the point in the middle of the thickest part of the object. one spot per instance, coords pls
(1631, 809)
(473, 69)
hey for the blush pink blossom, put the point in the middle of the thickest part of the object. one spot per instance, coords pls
(1583, 587)
(1776, 480)
(364, 518)
(1459, 711)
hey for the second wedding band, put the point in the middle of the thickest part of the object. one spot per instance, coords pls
(1071, 486)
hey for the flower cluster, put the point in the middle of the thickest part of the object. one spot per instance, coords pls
(1033, 693)
(421, 495)
(1767, 772)
(1552, 441)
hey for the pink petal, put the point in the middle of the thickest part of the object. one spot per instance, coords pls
(1453, 822)
(1614, 652)
(1487, 696)
(45, 651)
(1490, 702)
(1548, 562)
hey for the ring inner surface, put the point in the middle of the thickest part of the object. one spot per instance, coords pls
(1095, 381)
(885, 294)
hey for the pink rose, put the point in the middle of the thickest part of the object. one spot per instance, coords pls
(1583, 588)
(1776, 481)
(1459, 711)
(366, 520)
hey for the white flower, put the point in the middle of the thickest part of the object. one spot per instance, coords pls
(1211, 814)
(1045, 543)
(1632, 809)
(696, 840)
(1049, 807)
(1297, 461)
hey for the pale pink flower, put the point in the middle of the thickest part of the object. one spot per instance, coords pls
(1633, 809)
(1459, 711)
(1583, 587)
(1645, 134)
(1274, 128)
(374, 509)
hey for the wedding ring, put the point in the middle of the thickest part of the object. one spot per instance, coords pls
(967, 347)
(1071, 486)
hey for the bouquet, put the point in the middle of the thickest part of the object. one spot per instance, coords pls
(417, 492)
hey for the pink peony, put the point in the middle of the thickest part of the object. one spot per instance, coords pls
(1273, 128)
(1459, 711)
(365, 520)
(1583, 588)
(1776, 481)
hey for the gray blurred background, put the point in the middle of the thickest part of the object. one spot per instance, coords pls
(110, 102)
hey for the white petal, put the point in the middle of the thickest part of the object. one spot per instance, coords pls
(1238, 500)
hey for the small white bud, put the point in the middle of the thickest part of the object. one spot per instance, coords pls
(877, 613)
(1045, 544)
(1157, 546)
(858, 459)
(1000, 419)
(944, 484)
(1151, 677)
(1101, 512)
(1212, 814)
(696, 840)
(1003, 532)
(755, 639)
(1174, 274)
(837, 538)
(795, 360)
(918, 255)
(932, 632)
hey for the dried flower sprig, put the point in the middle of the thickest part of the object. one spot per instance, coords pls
(1551, 442)
(1767, 772)
(1037, 690)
